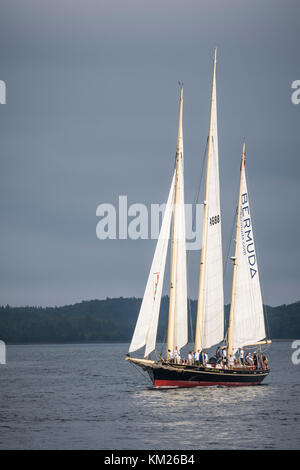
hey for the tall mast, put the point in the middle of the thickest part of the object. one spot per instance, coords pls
(174, 242)
(200, 308)
(234, 259)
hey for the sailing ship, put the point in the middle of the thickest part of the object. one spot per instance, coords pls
(246, 320)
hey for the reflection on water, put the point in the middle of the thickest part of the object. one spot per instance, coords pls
(229, 417)
(207, 416)
(89, 397)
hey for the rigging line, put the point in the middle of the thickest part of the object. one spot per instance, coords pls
(225, 263)
(201, 174)
(265, 311)
(164, 341)
(144, 375)
(216, 181)
(230, 241)
(191, 320)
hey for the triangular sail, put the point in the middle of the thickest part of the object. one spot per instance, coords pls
(210, 314)
(146, 327)
(247, 325)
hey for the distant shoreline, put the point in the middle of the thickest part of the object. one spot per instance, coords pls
(113, 321)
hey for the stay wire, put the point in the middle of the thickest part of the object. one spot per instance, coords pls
(144, 375)
(230, 241)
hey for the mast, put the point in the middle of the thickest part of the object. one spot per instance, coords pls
(174, 242)
(234, 259)
(200, 307)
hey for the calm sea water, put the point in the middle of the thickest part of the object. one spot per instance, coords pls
(88, 397)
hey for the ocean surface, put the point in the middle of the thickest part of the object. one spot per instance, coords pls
(86, 396)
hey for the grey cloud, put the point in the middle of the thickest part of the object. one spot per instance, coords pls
(91, 113)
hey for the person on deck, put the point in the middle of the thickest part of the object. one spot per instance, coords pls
(177, 357)
(255, 360)
(242, 356)
(224, 356)
(249, 359)
(201, 358)
(204, 358)
(264, 361)
(194, 357)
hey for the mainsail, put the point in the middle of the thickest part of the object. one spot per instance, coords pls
(181, 326)
(246, 324)
(177, 325)
(210, 312)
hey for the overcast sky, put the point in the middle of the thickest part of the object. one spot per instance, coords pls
(91, 113)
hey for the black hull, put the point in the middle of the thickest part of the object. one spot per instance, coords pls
(167, 375)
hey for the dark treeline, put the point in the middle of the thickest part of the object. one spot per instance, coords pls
(114, 320)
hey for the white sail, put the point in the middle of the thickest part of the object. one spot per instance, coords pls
(248, 317)
(181, 327)
(177, 325)
(146, 327)
(210, 321)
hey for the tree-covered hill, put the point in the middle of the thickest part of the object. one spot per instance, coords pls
(113, 320)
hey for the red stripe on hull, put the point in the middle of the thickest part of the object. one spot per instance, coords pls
(190, 383)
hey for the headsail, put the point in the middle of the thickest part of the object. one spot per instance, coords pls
(147, 323)
(210, 312)
(146, 327)
(246, 324)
